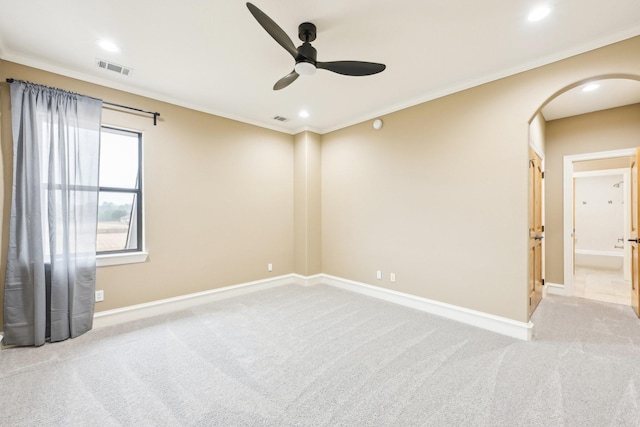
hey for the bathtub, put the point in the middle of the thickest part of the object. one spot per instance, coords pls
(610, 260)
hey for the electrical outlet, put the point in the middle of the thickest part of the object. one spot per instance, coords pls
(270, 267)
(99, 295)
(379, 274)
(392, 277)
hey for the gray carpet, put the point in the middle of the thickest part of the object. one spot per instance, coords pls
(322, 356)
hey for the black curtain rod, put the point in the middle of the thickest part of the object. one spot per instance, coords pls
(155, 114)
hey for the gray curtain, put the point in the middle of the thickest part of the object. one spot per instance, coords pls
(51, 260)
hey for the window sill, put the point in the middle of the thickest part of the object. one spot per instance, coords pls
(123, 258)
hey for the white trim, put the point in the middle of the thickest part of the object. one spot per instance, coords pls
(299, 279)
(421, 98)
(306, 281)
(315, 280)
(623, 152)
(537, 150)
(104, 260)
(626, 192)
(600, 172)
(553, 289)
(599, 253)
(46, 66)
(490, 77)
(121, 258)
(501, 325)
(567, 221)
(154, 308)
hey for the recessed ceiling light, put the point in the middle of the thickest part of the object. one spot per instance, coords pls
(590, 87)
(108, 46)
(303, 114)
(539, 13)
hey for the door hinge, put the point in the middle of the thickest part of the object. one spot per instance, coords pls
(543, 228)
(542, 175)
(529, 300)
(542, 282)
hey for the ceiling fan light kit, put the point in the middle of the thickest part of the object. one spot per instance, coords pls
(305, 55)
(305, 68)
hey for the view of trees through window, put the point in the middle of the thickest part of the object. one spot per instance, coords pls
(118, 208)
(111, 212)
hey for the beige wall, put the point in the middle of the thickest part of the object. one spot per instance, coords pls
(439, 195)
(307, 204)
(218, 197)
(606, 130)
(601, 164)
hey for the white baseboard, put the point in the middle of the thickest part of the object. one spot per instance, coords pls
(501, 325)
(553, 289)
(300, 280)
(153, 308)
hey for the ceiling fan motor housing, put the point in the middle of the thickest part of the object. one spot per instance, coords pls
(307, 53)
(307, 32)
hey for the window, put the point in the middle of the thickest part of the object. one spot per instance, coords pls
(120, 197)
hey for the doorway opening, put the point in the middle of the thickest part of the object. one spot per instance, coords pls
(601, 229)
(597, 258)
(562, 126)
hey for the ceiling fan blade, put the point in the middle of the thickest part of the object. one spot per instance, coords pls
(352, 68)
(273, 29)
(286, 80)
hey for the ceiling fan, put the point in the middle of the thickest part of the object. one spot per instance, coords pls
(305, 54)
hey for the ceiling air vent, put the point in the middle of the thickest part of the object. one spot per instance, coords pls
(280, 118)
(113, 67)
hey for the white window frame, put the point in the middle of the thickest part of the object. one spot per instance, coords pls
(132, 257)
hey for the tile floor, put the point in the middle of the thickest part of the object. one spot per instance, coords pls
(602, 285)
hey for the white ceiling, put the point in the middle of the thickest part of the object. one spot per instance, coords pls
(211, 55)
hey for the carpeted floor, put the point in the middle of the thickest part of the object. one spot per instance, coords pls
(322, 356)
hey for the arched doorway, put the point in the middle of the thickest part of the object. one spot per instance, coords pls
(614, 102)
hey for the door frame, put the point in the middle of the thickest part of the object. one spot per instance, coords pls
(567, 220)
